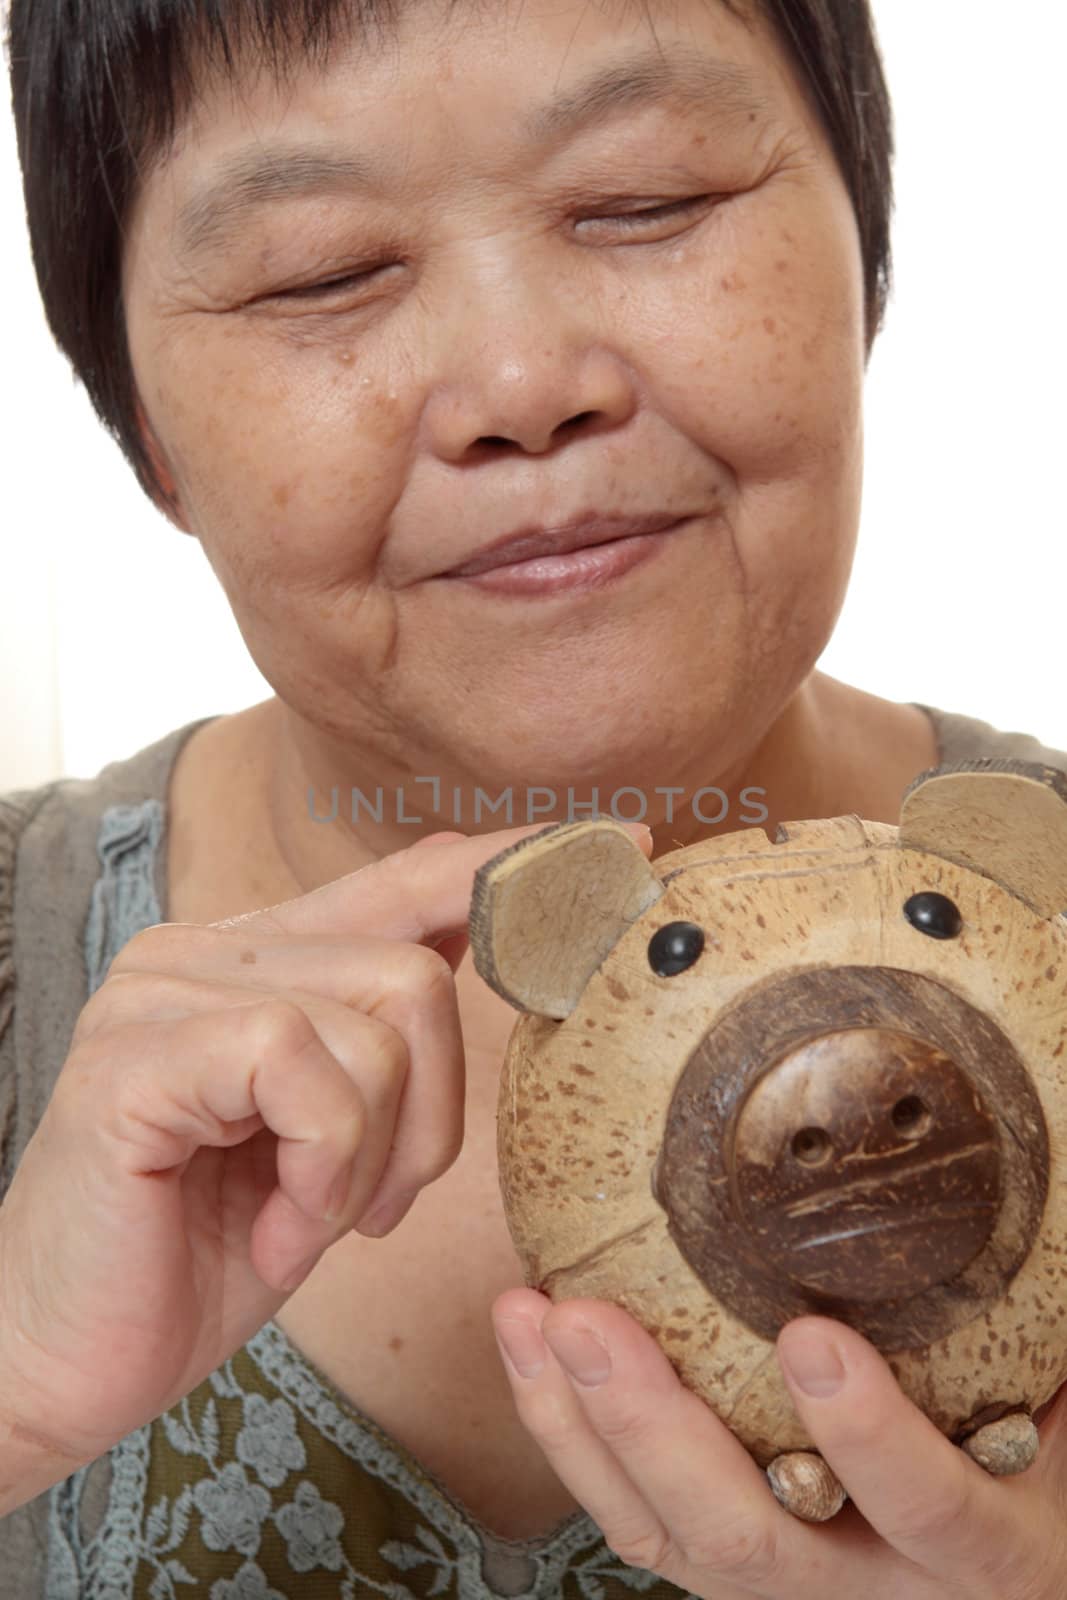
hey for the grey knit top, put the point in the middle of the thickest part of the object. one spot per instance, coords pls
(265, 1483)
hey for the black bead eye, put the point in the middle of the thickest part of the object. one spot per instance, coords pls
(934, 914)
(674, 947)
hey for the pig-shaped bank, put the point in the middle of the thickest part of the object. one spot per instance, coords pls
(827, 1074)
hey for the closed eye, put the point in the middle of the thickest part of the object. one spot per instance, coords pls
(629, 221)
(634, 219)
(312, 291)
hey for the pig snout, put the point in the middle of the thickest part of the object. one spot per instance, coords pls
(867, 1165)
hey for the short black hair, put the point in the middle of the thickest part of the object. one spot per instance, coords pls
(99, 88)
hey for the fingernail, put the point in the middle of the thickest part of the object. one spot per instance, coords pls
(339, 1193)
(813, 1363)
(521, 1344)
(387, 1215)
(581, 1353)
(297, 1277)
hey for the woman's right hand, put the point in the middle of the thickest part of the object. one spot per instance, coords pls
(236, 1097)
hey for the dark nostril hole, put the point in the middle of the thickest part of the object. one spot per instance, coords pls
(812, 1146)
(911, 1118)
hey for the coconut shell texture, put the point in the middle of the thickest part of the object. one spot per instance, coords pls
(585, 1098)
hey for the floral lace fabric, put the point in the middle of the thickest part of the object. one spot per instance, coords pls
(264, 1483)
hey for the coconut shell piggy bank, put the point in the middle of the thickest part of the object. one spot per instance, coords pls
(825, 1074)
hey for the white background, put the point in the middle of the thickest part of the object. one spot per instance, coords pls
(114, 630)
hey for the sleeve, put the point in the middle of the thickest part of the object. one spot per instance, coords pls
(16, 807)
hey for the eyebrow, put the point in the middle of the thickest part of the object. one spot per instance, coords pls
(681, 77)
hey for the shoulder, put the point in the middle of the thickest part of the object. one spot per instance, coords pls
(48, 834)
(50, 859)
(968, 738)
(125, 780)
(17, 808)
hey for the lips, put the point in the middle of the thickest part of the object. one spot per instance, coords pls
(591, 528)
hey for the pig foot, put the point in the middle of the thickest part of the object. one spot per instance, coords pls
(1006, 1446)
(806, 1486)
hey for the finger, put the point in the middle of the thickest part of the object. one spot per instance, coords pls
(924, 1496)
(405, 986)
(455, 946)
(419, 895)
(1051, 1420)
(162, 1091)
(400, 1152)
(552, 1413)
(665, 1480)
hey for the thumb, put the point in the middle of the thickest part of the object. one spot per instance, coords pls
(453, 946)
(1051, 1463)
(921, 1492)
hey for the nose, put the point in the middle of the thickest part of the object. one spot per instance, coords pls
(864, 1142)
(525, 373)
(867, 1165)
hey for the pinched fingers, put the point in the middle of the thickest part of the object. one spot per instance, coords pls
(150, 1094)
(407, 987)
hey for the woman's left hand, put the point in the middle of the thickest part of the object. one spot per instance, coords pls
(674, 1492)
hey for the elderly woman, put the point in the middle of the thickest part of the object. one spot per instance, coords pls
(508, 365)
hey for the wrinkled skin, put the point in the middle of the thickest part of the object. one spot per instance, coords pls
(520, 356)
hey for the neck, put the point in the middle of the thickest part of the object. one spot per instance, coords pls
(832, 749)
(241, 836)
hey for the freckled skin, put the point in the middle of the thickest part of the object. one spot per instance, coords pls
(331, 456)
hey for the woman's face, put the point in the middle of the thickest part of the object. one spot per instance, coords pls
(356, 380)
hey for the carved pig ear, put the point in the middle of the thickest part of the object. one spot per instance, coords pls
(545, 912)
(1004, 819)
